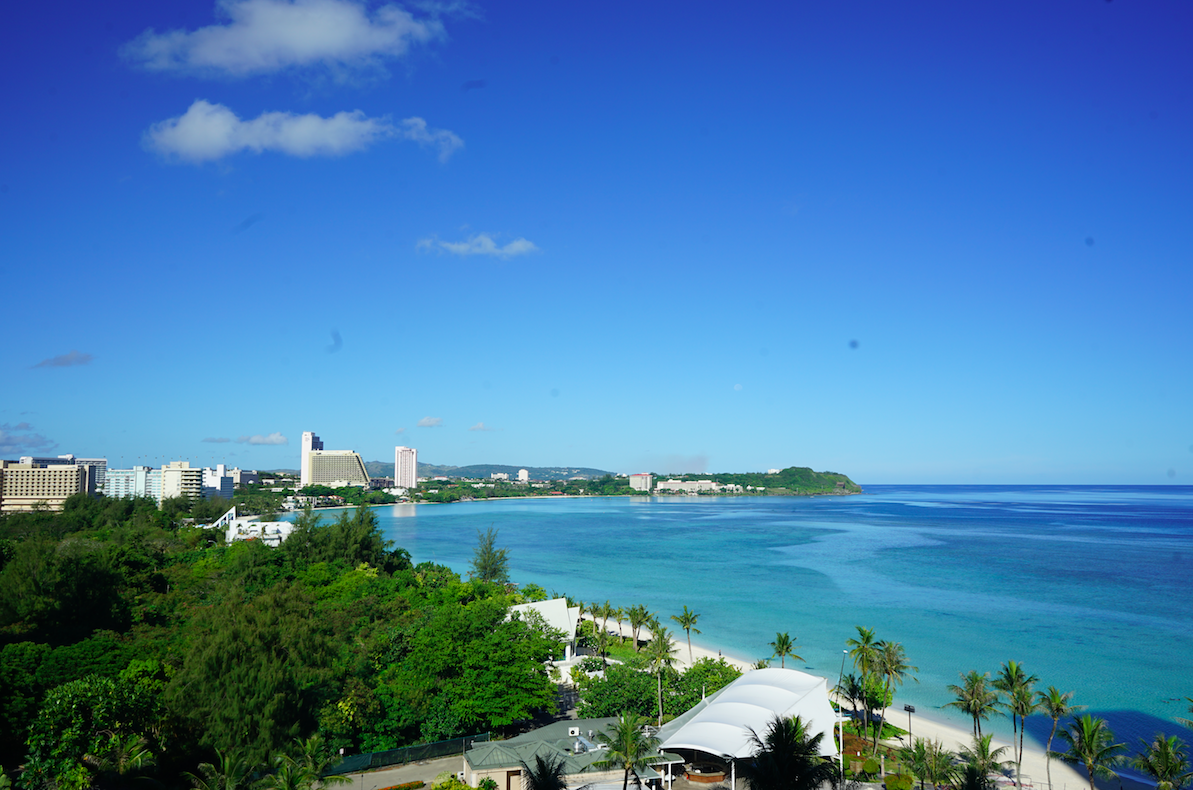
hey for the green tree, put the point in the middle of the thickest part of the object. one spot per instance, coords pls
(864, 652)
(231, 771)
(687, 621)
(630, 748)
(1164, 760)
(1019, 700)
(1187, 722)
(784, 647)
(975, 697)
(1057, 705)
(893, 668)
(638, 616)
(1091, 744)
(984, 757)
(660, 653)
(545, 774)
(787, 757)
(252, 671)
(489, 563)
(928, 760)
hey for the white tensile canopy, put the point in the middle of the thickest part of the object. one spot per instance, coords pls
(721, 724)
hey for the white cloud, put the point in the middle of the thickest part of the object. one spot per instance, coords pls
(265, 36)
(273, 438)
(480, 426)
(400, 430)
(65, 360)
(207, 132)
(430, 422)
(415, 129)
(480, 244)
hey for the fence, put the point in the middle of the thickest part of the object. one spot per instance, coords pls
(355, 763)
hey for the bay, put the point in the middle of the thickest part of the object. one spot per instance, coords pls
(1090, 587)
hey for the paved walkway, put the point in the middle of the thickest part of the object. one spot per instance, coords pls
(401, 774)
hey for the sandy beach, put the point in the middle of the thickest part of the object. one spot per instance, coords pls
(1035, 773)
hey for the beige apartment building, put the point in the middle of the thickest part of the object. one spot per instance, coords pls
(180, 479)
(25, 487)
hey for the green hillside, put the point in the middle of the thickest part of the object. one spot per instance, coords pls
(793, 480)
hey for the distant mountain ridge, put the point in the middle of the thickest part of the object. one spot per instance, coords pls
(386, 469)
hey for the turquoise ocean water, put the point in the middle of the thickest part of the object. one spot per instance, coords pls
(1091, 588)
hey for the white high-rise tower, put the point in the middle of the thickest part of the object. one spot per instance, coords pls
(405, 467)
(309, 442)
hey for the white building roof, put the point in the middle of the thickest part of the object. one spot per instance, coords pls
(721, 724)
(555, 613)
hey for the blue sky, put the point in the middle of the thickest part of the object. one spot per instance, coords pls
(928, 242)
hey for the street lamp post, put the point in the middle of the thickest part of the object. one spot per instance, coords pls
(910, 710)
(841, 717)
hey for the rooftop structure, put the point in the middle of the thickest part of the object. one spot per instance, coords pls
(574, 742)
(720, 725)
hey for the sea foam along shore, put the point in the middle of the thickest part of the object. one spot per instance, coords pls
(1035, 770)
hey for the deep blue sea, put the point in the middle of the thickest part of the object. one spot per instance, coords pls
(1090, 587)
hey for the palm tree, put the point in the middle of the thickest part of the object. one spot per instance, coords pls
(233, 772)
(864, 652)
(784, 646)
(1057, 706)
(314, 757)
(123, 757)
(893, 666)
(966, 776)
(975, 698)
(605, 611)
(929, 760)
(1164, 760)
(619, 613)
(1091, 743)
(1187, 722)
(638, 615)
(687, 621)
(787, 757)
(629, 747)
(545, 774)
(851, 689)
(1022, 704)
(983, 756)
(659, 653)
(1016, 685)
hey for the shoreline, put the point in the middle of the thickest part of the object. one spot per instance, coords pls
(923, 725)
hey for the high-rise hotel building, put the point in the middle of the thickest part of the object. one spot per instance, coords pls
(405, 467)
(334, 468)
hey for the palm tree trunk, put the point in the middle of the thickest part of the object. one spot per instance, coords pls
(1048, 753)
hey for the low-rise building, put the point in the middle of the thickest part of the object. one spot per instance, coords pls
(688, 486)
(641, 482)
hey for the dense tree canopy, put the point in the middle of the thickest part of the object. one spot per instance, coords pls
(133, 644)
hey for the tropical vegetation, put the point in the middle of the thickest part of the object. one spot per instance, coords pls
(787, 757)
